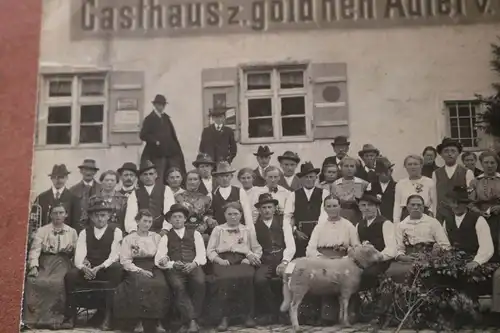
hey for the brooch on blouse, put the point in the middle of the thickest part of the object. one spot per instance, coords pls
(418, 188)
(135, 249)
(240, 240)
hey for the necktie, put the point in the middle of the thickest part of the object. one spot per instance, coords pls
(58, 232)
(273, 190)
(58, 195)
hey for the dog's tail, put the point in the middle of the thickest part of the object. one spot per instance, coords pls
(287, 296)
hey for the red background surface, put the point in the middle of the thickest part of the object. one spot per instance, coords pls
(19, 49)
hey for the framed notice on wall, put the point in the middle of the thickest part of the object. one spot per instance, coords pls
(127, 116)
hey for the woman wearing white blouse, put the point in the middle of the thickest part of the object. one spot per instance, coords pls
(414, 184)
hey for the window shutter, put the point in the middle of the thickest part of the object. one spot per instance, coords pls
(220, 88)
(330, 102)
(126, 107)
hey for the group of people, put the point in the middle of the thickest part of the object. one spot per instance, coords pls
(153, 236)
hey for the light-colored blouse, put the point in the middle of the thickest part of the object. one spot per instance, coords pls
(331, 233)
(348, 190)
(424, 230)
(485, 191)
(228, 239)
(424, 187)
(135, 246)
(51, 241)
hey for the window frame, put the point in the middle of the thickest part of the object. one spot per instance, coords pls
(446, 109)
(275, 93)
(75, 101)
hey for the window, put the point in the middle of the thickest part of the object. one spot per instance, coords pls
(72, 110)
(275, 104)
(462, 121)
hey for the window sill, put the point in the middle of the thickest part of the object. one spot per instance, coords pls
(474, 149)
(69, 147)
(272, 140)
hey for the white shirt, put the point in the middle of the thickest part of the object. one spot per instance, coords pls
(486, 249)
(90, 184)
(81, 247)
(289, 180)
(388, 232)
(60, 191)
(244, 201)
(289, 251)
(450, 170)
(282, 196)
(424, 230)
(201, 255)
(208, 182)
(133, 208)
(330, 233)
(383, 186)
(218, 127)
(425, 187)
(263, 170)
(290, 205)
(128, 189)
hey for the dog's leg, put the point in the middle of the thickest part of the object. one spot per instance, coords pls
(287, 296)
(344, 310)
(297, 298)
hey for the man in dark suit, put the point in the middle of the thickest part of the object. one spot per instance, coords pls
(217, 140)
(58, 193)
(263, 155)
(366, 170)
(288, 163)
(205, 165)
(162, 146)
(128, 178)
(86, 188)
(384, 187)
(340, 146)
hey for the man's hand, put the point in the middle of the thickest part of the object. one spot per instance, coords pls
(179, 265)
(301, 235)
(33, 272)
(212, 223)
(202, 228)
(254, 260)
(96, 269)
(88, 273)
(405, 258)
(188, 268)
(163, 232)
(222, 262)
(245, 262)
(163, 261)
(281, 268)
(86, 263)
(146, 273)
(471, 266)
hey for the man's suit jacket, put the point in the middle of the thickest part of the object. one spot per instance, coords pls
(46, 200)
(220, 145)
(296, 184)
(259, 179)
(203, 189)
(83, 194)
(365, 175)
(387, 205)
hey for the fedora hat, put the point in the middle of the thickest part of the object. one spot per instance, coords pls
(128, 166)
(383, 165)
(263, 151)
(218, 111)
(177, 208)
(368, 148)
(449, 142)
(223, 168)
(266, 198)
(89, 164)
(203, 158)
(59, 170)
(289, 155)
(459, 194)
(340, 140)
(146, 165)
(370, 196)
(97, 204)
(306, 169)
(159, 99)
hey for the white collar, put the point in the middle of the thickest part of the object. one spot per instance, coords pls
(91, 183)
(497, 175)
(128, 188)
(61, 190)
(180, 230)
(102, 230)
(355, 179)
(288, 177)
(158, 113)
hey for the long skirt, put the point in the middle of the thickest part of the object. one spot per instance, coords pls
(45, 296)
(141, 297)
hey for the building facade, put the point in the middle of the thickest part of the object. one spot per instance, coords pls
(399, 87)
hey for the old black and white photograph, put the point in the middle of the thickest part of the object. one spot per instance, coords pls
(266, 166)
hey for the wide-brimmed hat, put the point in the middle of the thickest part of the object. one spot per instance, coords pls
(340, 140)
(146, 165)
(370, 196)
(459, 194)
(306, 169)
(218, 111)
(59, 170)
(449, 142)
(263, 151)
(97, 204)
(368, 148)
(177, 208)
(289, 155)
(383, 165)
(266, 198)
(128, 166)
(203, 158)
(223, 168)
(89, 164)
(159, 99)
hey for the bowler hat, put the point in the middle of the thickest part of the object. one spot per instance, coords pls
(97, 204)
(88, 164)
(459, 194)
(340, 140)
(289, 155)
(368, 148)
(146, 165)
(306, 169)
(370, 196)
(59, 170)
(266, 198)
(159, 99)
(223, 168)
(263, 151)
(449, 142)
(128, 166)
(203, 158)
(218, 111)
(177, 208)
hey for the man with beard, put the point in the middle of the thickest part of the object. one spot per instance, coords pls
(86, 188)
(128, 177)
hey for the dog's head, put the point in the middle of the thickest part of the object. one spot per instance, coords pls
(365, 254)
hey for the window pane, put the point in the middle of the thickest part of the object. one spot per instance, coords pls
(453, 122)
(464, 110)
(58, 135)
(59, 115)
(467, 142)
(259, 81)
(92, 113)
(465, 132)
(454, 132)
(260, 128)
(261, 107)
(92, 87)
(294, 126)
(292, 105)
(453, 110)
(60, 88)
(290, 80)
(91, 134)
(464, 122)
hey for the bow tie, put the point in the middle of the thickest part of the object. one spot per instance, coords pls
(58, 232)
(273, 190)
(233, 231)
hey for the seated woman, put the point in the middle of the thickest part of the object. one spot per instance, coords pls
(143, 295)
(49, 260)
(416, 233)
(174, 180)
(235, 252)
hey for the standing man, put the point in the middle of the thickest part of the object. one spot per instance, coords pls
(366, 170)
(340, 146)
(217, 140)
(86, 188)
(263, 156)
(384, 186)
(162, 146)
(128, 178)
(288, 163)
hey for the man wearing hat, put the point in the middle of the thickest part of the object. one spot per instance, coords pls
(263, 156)
(217, 140)
(128, 178)
(162, 146)
(96, 259)
(58, 193)
(288, 163)
(272, 176)
(368, 157)
(151, 194)
(86, 188)
(278, 249)
(340, 146)
(384, 186)
(304, 207)
(450, 175)
(205, 165)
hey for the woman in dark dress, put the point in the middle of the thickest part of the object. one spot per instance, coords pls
(143, 295)
(118, 201)
(469, 159)
(429, 155)
(234, 251)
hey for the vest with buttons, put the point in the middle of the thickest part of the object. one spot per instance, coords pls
(373, 233)
(270, 238)
(307, 210)
(181, 249)
(465, 237)
(98, 250)
(153, 202)
(445, 185)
